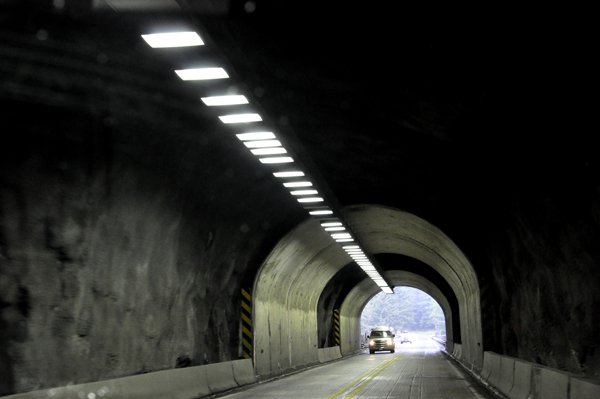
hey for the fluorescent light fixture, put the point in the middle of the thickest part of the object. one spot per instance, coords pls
(387, 290)
(331, 224)
(298, 184)
(335, 228)
(310, 199)
(262, 143)
(380, 283)
(288, 174)
(256, 136)
(224, 100)
(269, 151)
(325, 212)
(350, 246)
(367, 268)
(202, 73)
(344, 240)
(240, 118)
(276, 160)
(173, 39)
(304, 192)
(341, 235)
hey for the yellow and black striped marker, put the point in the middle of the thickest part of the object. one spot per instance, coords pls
(336, 327)
(246, 324)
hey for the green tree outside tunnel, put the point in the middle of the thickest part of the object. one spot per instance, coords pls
(408, 309)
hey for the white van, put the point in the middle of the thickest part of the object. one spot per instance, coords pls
(381, 339)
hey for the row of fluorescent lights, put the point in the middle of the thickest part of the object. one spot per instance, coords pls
(269, 150)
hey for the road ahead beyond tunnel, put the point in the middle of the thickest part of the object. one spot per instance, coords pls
(415, 371)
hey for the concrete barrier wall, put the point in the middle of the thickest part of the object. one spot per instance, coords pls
(518, 379)
(184, 383)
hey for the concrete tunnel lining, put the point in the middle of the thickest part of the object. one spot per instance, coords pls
(389, 230)
(290, 281)
(354, 304)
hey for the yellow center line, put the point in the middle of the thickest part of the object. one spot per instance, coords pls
(373, 376)
(383, 366)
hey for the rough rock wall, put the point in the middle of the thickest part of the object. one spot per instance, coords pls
(124, 240)
(332, 297)
(546, 266)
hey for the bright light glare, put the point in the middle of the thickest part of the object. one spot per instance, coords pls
(387, 290)
(224, 100)
(304, 192)
(174, 39)
(202, 73)
(380, 283)
(350, 246)
(256, 136)
(276, 160)
(299, 184)
(240, 118)
(331, 224)
(365, 267)
(341, 235)
(320, 213)
(288, 174)
(262, 143)
(335, 228)
(310, 199)
(344, 240)
(269, 151)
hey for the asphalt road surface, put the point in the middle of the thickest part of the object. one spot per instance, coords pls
(416, 371)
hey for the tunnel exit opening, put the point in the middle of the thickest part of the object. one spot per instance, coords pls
(408, 311)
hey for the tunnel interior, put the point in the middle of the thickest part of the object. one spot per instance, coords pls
(131, 218)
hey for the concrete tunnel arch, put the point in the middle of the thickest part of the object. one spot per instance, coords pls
(291, 279)
(362, 293)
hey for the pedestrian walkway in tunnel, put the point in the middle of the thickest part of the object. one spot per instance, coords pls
(419, 370)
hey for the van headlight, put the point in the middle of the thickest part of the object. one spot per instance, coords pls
(389, 342)
(371, 342)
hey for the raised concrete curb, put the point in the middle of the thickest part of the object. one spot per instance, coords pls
(243, 372)
(184, 383)
(495, 362)
(486, 370)
(507, 374)
(550, 384)
(518, 379)
(220, 376)
(321, 355)
(457, 351)
(581, 388)
(522, 380)
(329, 354)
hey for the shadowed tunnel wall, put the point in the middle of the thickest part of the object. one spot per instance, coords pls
(292, 278)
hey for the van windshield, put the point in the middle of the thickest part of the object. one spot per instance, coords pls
(381, 334)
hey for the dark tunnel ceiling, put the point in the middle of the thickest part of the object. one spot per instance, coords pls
(443, 113)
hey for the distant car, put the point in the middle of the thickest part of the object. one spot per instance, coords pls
(381, 339)
(404, 337)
